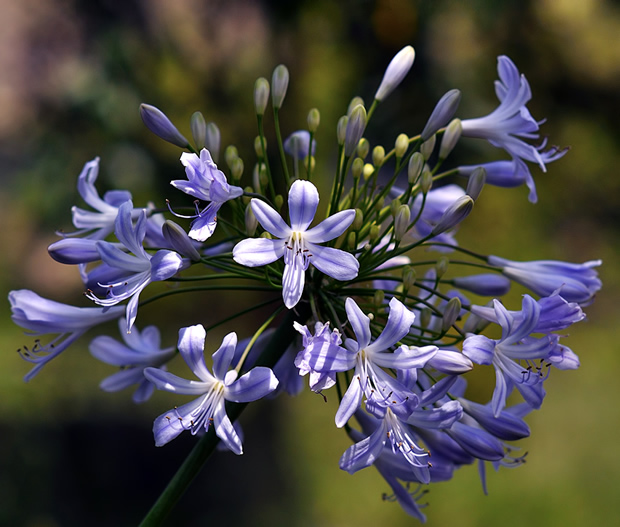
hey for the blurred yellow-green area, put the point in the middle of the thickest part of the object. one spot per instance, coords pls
(72, 74)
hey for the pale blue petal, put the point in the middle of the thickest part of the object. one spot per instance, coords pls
(121, 380)
(165, 264)
(303, 199)
(479, 349)
(224, 355)
(115, 257)
(331, 227)
(225, 430)
(398, 325)
(405, 357)
(365, 453)
(293, 281)
(360, 323)
(254, 385)
(271, 221)
(254, 252)
(164, 380)
(170, 424)
(350, 401)
(333, 262)
(437, 418)
(191, 346)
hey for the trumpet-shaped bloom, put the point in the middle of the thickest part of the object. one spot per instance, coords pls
(41, 316)
(515, 344)
(297, 244)
(126, 275)
(574, 282)
(511, 122)
(205, 182)
(213, 389)
(137, 351)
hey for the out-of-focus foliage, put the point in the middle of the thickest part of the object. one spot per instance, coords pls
(73, 73)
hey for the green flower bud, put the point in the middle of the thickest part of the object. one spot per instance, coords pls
(373, 235)
(369, 170)
(247, 199)
(341, 130)
(394, 206)
(199, 130)
(279, 85)
(409, 278)
(426, 181)
(451, 313)
(354, 102)
(258, 146)
(309, 163)
(401, 145)
(363, 147)
(426, 316)
(414, 169)
(378, 154)
(441, 267)
(355, 129)
(263, 177)
(352, 241)
(314, 118)
(279, 201)
(357, 167)
(358, 221)
(450, 138)
(212, 141)
(401, 222)
(230, 155)
(251, 223)
(237, 169)
(427, 147)
(261, 95)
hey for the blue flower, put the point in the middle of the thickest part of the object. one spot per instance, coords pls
(205, 182)
(511, 121)
(297, 244)
(574, 282)
(139, 350)
(126, 275)
(214, 390)
(297, 144)
(515, 344)
(41, 316)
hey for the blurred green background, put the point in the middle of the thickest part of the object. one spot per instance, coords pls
(72, 74)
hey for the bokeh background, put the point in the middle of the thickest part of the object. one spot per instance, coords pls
(72, 74)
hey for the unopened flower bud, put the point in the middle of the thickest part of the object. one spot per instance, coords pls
(427, 147)
(352, 241)
(237, 169)
(414, 169)
(199, 130)
(373, 235)
(256, 178)
(266, 235)
(212, 141)
(363, 147)
(260, 146)
(401, 145)
(355, 129)
(246, 199)
(357, 167)
(426, 316)
(263, 177)
(476, 182)
(279, 85)
(398, 67)
(475, 323)
(487, 284)
(309, 163)
(279, 201)
(358, 220)
(357, 100)
(442, 113)
(450, 138)
(401, 222)
(426, 181)
(441, 267)
(178, 239)
(230, 155)
(261, 95)
(380, 204)
(409, 278)
(314, 118)
(341, 129)
(158, 123)
(451, 313)
(454, 214)
(378, 153)
(394, 206)
(369, 170)
(251, 223)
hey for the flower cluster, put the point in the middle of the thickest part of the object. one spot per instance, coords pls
(354, 301)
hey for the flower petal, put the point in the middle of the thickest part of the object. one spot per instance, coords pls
(252, 386)
(350, 401)
(222, 358)
(170, 424)
(331, 227)
(359, 322)
(398, 325)
(254, 252)
(271, 221)
(225, 430)
(191, 345)
(164, 380)
(365, 452)
(293, 281)
(333, 262)
(303, 199)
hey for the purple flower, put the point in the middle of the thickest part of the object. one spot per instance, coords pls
(511, 122)
(213, 389)
(126, 275)
(515, 344)
(298, 244)
(205, 182)
(41, 316)
(297, 144)
(139, 350)
(574, 282)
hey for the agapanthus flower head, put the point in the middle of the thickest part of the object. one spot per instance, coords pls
(41, 316)
(205, 182)
(511, 122)
(139, 350)
(213, 389)
(297, 244)
(124, 275)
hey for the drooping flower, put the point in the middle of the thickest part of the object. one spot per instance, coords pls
(205, 182)
(213, 389)
(297, 244)
(511, 122)
(41, 316)
(574, 282)
(125, 275)
(138, 351)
